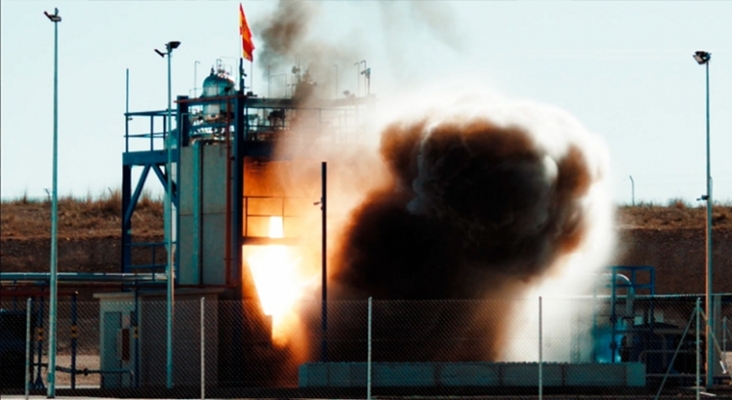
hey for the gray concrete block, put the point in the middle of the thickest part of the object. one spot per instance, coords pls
(468, 374)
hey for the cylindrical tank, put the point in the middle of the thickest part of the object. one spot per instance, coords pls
(217, 83)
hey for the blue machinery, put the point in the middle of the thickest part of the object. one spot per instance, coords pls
(632, 279)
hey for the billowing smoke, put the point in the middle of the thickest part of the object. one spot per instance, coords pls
(486, 199)
(288, 41)
(473, 197)
(472, 207)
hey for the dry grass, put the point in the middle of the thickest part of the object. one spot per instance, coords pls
(78, 217)
(100, 216)
(676, 215)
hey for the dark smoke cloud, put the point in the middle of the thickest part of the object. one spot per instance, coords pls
(473, 207)
(289, 38)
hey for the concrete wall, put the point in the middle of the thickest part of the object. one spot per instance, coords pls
(203, 191)
(471, 374)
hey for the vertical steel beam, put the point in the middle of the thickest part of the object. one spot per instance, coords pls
(368, 353)
(203, 349)
(74, 336)
(197, 189)
(697, 311)
(324, 272)
(127, 110)
(126, 222)
(241, 127)
(541, 352)
(26, 381)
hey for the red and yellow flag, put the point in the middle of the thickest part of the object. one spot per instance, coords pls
(247, 45)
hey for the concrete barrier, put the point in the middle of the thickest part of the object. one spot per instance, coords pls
(472, 374)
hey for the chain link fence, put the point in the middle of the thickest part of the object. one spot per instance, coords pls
(117, 346)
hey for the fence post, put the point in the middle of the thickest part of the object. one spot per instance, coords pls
(724, 337)
(698, 348)
(27, 347)
(74, 335)
(203, 350)
(368, 355)
(541, 354)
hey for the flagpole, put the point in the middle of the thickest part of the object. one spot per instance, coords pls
(241, 76)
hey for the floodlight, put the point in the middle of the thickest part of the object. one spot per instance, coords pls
(702, 57)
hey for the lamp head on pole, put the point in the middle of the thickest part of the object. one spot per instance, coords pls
(702, 57)
(172, 45)
(53, 17)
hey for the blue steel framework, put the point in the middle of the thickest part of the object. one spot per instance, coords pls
(247, 140)
(639, 278)
(152, 158)
(241, 122)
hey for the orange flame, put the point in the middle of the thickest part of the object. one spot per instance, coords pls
(279, 281)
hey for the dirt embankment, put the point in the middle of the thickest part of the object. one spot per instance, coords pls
(670, 238)
(679, 257)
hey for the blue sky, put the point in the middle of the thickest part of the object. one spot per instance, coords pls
(622, 68)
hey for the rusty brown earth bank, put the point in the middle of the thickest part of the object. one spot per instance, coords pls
(671, 238)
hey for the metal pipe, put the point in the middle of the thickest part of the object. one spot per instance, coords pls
(203, 350)
(632, 190)
(81, 277)
(26, 384)
(613, 319)
(51, 393)
(541, 354)
(324, 272)
(710, 289)
(368, 354)
(136, 337)
(228, 237)
(39, 348)
(170, 268)
(74, 335)
(195, 76)
(127, 110)
(14, 293)
(697, 310)
(196, 253)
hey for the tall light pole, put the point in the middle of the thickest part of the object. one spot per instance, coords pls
(53, 299)
(703, 58)
(170, 268)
